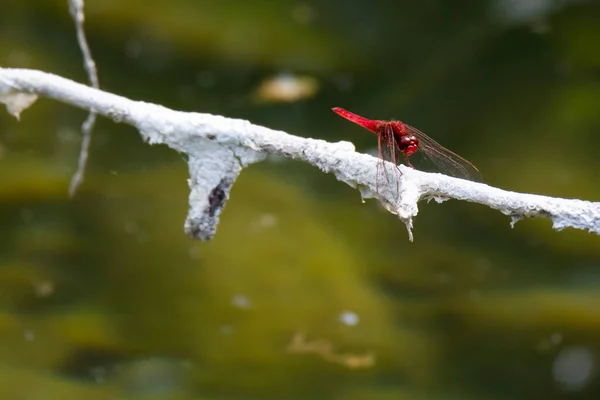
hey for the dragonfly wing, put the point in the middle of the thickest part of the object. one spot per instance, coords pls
(446, 160)
(387, 151)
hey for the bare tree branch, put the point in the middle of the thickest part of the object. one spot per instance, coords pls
(76, 10)
(219, 148)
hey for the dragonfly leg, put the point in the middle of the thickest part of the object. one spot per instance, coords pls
(408, 162)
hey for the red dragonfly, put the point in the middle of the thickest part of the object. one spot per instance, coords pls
(396, 137)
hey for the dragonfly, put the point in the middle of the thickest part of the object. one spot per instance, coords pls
(396, 139)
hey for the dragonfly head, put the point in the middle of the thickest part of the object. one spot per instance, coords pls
(408, 144)
(406, 141)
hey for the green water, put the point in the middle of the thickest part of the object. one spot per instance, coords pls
(305, 292)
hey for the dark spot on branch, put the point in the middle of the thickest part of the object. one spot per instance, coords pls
(216, 198)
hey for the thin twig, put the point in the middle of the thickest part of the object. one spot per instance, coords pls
(76, 10)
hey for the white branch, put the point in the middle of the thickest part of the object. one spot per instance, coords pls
(219, 148)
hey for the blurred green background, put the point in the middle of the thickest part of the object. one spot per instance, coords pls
(305, 292)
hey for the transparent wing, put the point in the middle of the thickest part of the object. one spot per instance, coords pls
(387, 145)
(447, 161)
(387, 151)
